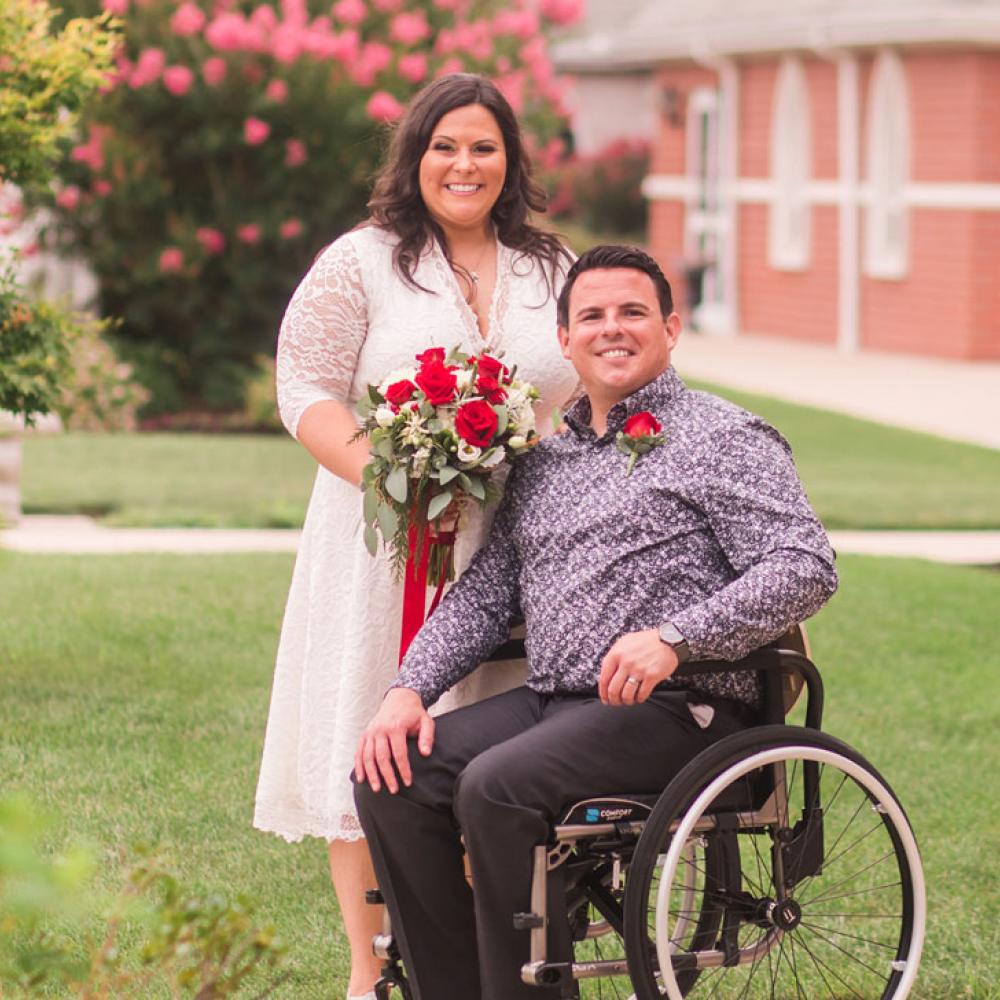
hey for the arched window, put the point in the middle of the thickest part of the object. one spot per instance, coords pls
(788, 230)
(887, 169)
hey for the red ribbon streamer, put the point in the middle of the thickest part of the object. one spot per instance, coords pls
(415, 583)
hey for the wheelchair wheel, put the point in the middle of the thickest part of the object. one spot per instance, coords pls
(778, 864)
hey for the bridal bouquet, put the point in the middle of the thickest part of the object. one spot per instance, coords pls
(438, 431)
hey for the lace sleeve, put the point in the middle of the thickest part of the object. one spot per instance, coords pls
(321, 334)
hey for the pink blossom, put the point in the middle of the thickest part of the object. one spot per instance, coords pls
(248, 233)
(227, 32)
(450, 65)
(287, 43)
(413, 67)
(92, 151)
(178, 80)
(349, 11)
(503, 65)
(521, 23)
(211, 240)
(277, 91)
(171, 260)
(102, 188)
(383, 107)
(295, 12)
(29, 249)
(373, 58)
(409, 28)
(511, 85)
(264, 18)
(295, 153)
(148, 67)
(290, 228)
(213, 70)
(562, 11)
(188, 19)
(387, 6)
(476, 39)
(116, 7)
(68, 197)
(255, 131)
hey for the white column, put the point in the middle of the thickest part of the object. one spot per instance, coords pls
(849, 243)
(729, 154)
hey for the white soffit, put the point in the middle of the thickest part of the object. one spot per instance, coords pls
(668, 30)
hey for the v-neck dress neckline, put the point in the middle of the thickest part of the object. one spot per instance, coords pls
(469, 318)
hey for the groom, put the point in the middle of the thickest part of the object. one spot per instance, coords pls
(696, 541)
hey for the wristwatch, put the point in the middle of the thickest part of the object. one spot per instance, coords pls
(672, 637)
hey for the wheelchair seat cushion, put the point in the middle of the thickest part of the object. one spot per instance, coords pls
(610, 809)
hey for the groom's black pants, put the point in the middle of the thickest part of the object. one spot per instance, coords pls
(498, 775)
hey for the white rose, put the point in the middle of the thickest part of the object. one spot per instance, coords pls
(492, 460)
(468, 452)
(463, 379)
(384, 416)
(399, 375)
(517, 442)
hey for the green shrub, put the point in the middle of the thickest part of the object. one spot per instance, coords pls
(236, 140)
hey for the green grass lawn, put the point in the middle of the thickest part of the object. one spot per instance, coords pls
(865, 475)
(858, 474)
(205, 480)
(134, 690)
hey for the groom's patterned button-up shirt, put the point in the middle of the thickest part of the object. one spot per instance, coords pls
(712, 531)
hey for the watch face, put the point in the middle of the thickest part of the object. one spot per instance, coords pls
(669, 634)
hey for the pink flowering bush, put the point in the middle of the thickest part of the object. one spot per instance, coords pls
(235, 139)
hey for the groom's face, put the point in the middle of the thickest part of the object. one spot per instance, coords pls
(617, 338)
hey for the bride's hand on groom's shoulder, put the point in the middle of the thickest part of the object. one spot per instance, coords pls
(633, 666)
(382, 754)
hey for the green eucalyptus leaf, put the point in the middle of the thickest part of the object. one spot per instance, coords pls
(388, 522)
(502, 417)
(371, 540)
(383, 448)
(396, 484)
(448, 473)
(370, 506)
(476, 488)
(438, 504)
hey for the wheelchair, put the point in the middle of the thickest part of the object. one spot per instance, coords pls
(777, 864)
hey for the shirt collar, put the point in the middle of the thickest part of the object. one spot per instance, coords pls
(653, 397)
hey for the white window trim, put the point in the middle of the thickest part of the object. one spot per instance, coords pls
(887, 169)
(789, 220)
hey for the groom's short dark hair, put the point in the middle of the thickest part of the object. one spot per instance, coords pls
(612, 255)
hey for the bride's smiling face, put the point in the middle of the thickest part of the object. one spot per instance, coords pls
(463, 169)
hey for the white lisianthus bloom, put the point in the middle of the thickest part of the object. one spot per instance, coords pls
(463, 379)
(468, 452)
(493, 459)
(420, 457)
(526, 417)
(384, 416)
(517, 442)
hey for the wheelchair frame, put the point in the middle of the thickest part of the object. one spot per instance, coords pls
(738, 787)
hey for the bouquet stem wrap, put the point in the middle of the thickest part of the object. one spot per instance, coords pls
(436, 547)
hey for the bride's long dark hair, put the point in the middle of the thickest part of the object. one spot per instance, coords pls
(396, 203)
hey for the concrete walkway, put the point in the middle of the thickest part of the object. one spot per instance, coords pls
(952, 399)
(82, 535)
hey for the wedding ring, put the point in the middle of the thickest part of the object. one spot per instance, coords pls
(632, 680)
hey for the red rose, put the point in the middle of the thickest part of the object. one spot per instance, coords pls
(488, 386)
(433, 355)
(641, 425)
(400, 392)
(438, 382)
(476, 423)
(491, 367)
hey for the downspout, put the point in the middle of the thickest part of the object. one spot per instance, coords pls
(729, 124)
(849, 197)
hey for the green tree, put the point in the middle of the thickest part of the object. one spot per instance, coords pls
(46, 76)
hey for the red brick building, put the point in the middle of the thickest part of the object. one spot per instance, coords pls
(836, 168)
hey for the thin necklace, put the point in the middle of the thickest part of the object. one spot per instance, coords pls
(473, 273)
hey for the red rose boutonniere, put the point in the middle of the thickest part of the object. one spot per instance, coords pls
(640, 434)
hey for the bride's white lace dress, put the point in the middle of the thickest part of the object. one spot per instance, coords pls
(352, 321)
